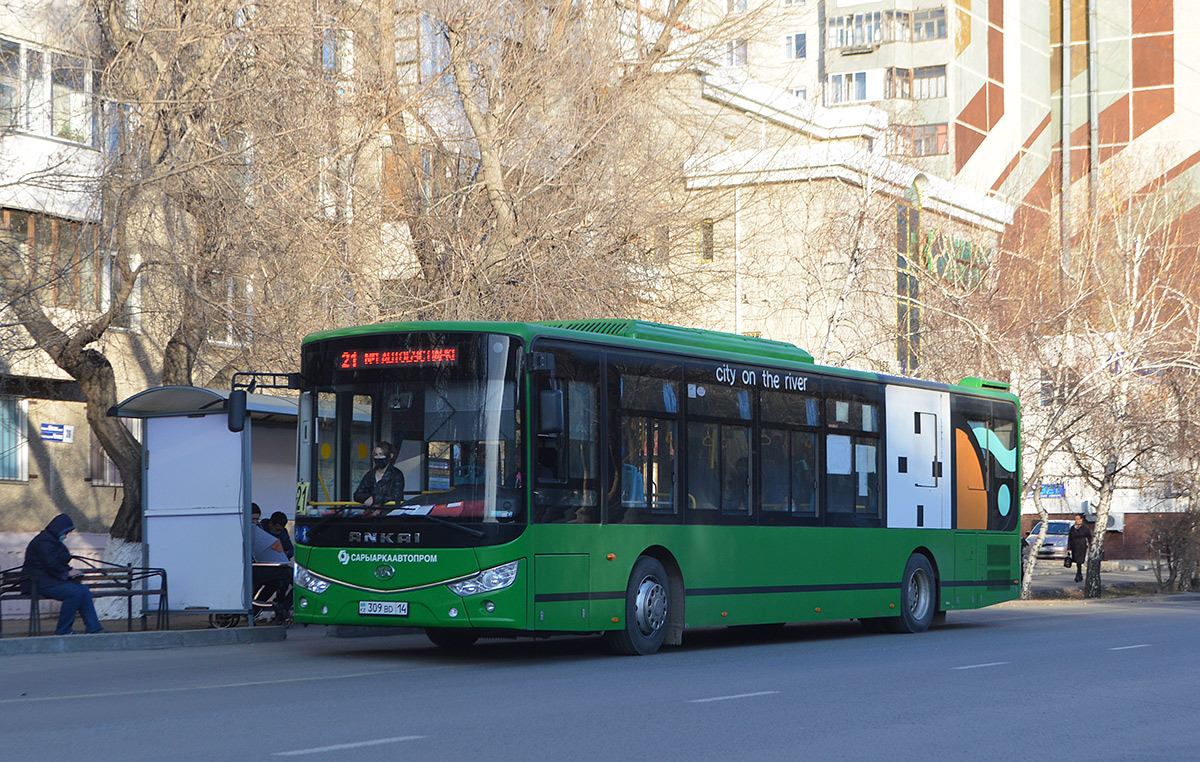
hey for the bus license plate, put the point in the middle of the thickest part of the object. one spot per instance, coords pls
(383, 608)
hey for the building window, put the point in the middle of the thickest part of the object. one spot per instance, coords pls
(704, 242)
(71, 99)
(929, 25)
(335, 50)
(234, 293)
(897, 26)
(735, 6)
(64, 110)
(929, 82)
(908, 289)
(846, 88)
(662, 244)
(14, 441)
(854, 31)
(801, 93)
(795, 47)
(919, 84)
(794, 2)
(61, 258)
(735, 53)
(898, 84)
(103, 471)
(10, 83)
(930, 139)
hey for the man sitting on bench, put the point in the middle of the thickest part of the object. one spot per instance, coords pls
(49, 562)
(265, 548)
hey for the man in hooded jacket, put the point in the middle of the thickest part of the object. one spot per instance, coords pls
(49, 561)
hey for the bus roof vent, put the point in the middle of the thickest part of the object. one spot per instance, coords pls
(694, 338)
(983, 383)
(607, 327)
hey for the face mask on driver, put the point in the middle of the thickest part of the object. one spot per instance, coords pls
(381, 462)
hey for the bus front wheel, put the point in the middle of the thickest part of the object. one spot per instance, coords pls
(918, 597)
(647, 610)
(452, 639)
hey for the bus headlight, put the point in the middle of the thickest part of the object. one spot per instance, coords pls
(305, 579)
(496, 578)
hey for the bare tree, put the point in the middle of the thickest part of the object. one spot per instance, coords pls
(1098, 343)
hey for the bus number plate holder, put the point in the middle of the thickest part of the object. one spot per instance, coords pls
(383, 608)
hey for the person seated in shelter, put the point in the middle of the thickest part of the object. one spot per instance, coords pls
(49, 562)
(382, 484)
(275, 579)
(276, 526)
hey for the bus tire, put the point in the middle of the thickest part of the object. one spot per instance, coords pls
(647, 610)
(918, 597)
(451, 638)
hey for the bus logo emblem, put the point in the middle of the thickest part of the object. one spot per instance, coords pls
(384, 571)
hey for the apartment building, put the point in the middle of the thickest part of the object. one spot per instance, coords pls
(51, 141)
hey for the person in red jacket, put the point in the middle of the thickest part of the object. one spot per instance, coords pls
(49, 562)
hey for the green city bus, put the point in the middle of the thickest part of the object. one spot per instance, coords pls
(635, 479)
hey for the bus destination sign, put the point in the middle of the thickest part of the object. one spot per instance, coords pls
(396, 358)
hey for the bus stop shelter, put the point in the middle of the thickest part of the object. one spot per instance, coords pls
(198, 481)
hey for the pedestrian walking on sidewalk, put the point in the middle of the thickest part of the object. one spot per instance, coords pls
(49, 561)
(1079, 537)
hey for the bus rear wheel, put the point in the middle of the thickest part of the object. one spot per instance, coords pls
(918, 597)
(647, 610)
(452, 639)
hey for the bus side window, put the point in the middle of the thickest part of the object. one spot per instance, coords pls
(1004, 466)
(791, 422)
(566, 465)
(853, 455)
(643, 402)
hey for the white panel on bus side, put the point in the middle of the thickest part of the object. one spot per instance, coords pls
(918, 457)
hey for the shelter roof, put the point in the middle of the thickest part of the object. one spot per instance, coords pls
(166, 401)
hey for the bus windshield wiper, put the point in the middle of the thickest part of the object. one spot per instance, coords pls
(459, 527)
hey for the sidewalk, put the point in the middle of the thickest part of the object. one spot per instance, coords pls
(186, 630)
(1119, 578)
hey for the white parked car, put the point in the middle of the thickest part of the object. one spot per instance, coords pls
(1055, 545)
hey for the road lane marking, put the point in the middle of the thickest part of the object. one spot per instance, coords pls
(1126, 648)
(218, 686)
(341, 746)
(731, 698)
(981, 666)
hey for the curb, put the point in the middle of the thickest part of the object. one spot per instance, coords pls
(138, 641)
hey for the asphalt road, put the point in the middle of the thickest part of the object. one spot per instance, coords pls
(1107, 680)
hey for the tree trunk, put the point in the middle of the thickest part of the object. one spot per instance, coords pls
(1039, 540)
(99, 385)
(1091, 581)
(179, 356)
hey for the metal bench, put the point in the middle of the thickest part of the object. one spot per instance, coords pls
(11, 583)
(104, 580)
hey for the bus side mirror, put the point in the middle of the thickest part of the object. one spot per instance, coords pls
(237, 410)
(550, 411)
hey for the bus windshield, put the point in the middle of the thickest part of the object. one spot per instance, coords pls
(415, 428)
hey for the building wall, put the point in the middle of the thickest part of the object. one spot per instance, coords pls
(49, 157)
(67, 477)
(1129, 544)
